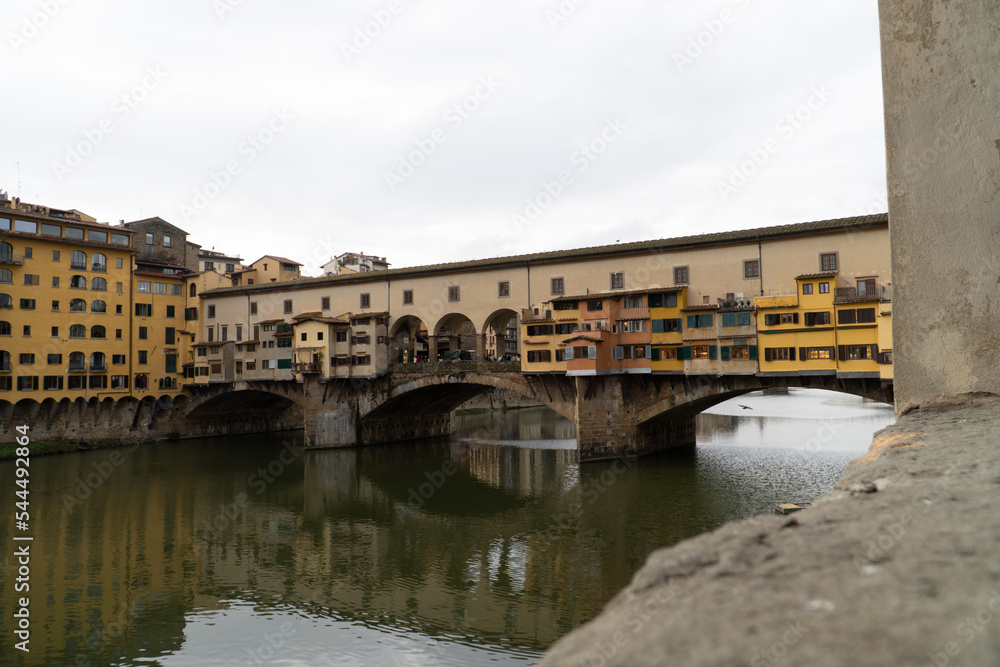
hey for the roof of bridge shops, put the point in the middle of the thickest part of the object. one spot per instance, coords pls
(859, 223)
(595, 296)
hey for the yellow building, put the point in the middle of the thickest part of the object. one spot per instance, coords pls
(159, 340)
(65, 304)
(268, 269)
(667, 330)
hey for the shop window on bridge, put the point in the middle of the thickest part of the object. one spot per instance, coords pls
(217, 369)
(51, 382)
(539, 356)
(815, 353)
(565, 305)
(700, 321)
(5, 383)
(143, 310)
(670, 325)
(566, 328)
(284, 363)
(736, 319)
(663, 300)
(632, 326)
(27, 383)
(98, 382)
(540, 329)
(119, 382)
(664, 353)
(779, 354)
(77, 382)
(816, 319)
(633, 302)
(703, 351)
(857, 352)
(595, 305)
(141, 381)
(565, 354)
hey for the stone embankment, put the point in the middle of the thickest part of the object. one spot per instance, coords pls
(898, 565)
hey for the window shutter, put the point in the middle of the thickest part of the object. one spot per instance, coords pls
(658, 326)
(712, 352)
(833, 352)
(726, 353)
(655, 354)
(791, 354)
(591, 351)
(795, 318)
(802, 354)
(753, 351)
(684, 353)
(692, 321)
(842, 352)
(568, 354)
(649, 351)
(768, 353)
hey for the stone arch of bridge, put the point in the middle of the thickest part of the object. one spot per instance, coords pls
(245, 401)
(439, 393)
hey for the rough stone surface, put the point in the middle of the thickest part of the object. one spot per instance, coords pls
(941, 81)
(898, 565)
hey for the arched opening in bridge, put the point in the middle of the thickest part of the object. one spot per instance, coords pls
(408, 341)
(456, 339)
(500, 333)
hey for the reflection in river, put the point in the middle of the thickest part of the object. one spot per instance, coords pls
(484, 548)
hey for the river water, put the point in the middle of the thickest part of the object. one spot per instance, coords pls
(481, 549)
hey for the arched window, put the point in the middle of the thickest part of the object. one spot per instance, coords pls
(6, 301)
(78, 260)
(97, 362)
(77, 306)
(193, 291)
(4, 361)
(4, 328)
(6, 252)
(77, 361)
(98, 306)
(99, 284)
(141, 381)
(78, 282)
(97, 331)
(7, 277)
(99, 262)
(77, 331)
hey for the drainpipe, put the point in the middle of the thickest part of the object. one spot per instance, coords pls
(760, 266)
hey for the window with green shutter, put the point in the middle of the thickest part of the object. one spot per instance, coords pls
(284, 363)
(725, 352)
(711, 352)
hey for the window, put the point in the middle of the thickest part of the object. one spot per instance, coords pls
(700, 321)
(30, 279)
(144, 286)
(159, 288)
(539, 356)
(143, 356)
(407, 297)
(866, 287)
(828, 261)
(55, 281)
(288, 306)
(27, 383)
(118, 334)
(193, 290)
(51, 230)
(211, 312)
(118, 262)
(816, 353)
(556, 286)
(503, 289)
(6, 276)
(866, 315)
(99, 262)
(632, 326)
(98, 362)
(53, 359)
(52, 382)
(144, 310)
(857, 352)
(27, 304)
(118, 359)
(211, 335)
(824, 288)
(78, 282)
(55, 332)
(99, 284)
(540, 330)
(849, 316)
(6, 301)
(324, 303)
(341, 336)
(807, 288)
(305, 336)
(737, 352)
(55, 256)
(789, 318)
(77, 306)
(167, 241)
(77, 260)
(77, 331)
(454, 293)
(26, 330)
(595, 305)
(170, 311)
(26, 358)
(681, 275)
(751, 268)
(169, 336)
(97, 331)
(319, 336)
(143, 333)
(736, 319)
(284, 341)
(703, 352)
(633, 302)
(816, 319)
(224, 333)
(366, 300)
(5, 329)
(239, 333)
(119, 287)
(779, 354)
(618, 280)
(666, 326)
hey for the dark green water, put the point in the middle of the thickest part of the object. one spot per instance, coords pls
(483, 549)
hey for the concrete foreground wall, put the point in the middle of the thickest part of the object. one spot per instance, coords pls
(940, 64)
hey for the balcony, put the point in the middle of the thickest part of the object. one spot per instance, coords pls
(861, 294)
(307, 368)
(4, 367)
(11, 258)
(77, 368)
(98, 368)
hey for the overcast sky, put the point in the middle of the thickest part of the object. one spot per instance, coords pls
(442, 131)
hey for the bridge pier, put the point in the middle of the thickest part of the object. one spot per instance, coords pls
(608, 425)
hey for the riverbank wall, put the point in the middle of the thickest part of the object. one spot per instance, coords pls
(896, 566)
